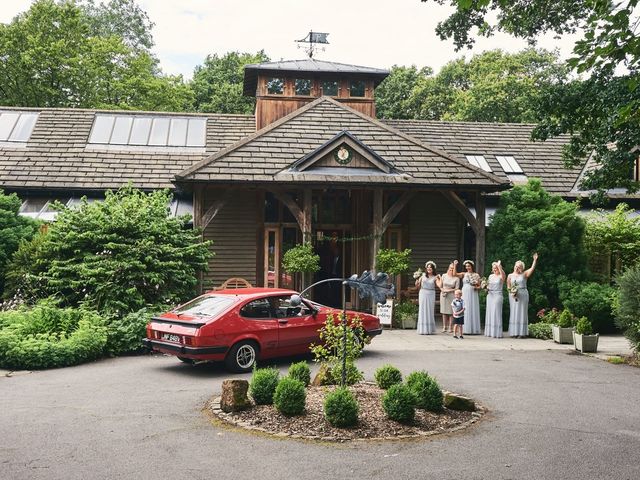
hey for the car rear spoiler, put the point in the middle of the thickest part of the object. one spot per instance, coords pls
(175, 321)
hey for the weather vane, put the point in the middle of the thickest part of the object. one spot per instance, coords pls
(314, 38)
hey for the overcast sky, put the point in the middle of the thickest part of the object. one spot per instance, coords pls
(372, 33)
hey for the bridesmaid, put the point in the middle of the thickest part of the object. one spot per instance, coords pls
(427, 299)
(448, 284)
(519, 304)
(493, 317)
(471, 299)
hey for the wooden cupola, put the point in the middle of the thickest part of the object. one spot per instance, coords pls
(282, 87)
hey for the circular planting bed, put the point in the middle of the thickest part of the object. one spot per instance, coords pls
(373, 423)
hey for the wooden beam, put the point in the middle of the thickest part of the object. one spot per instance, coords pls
(395, 209)
(480, 233)
(215, 208)
(288, 201)
(306, 215)
(459, 205)
(377, 227)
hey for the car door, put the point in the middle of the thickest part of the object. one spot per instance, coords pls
(298, 327)
(258, 319)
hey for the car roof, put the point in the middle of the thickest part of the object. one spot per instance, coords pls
(248, 293)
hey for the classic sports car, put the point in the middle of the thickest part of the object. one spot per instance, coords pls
(243, 325)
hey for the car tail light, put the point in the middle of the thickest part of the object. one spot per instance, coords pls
(188, 340)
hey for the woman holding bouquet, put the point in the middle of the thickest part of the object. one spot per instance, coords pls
(427, 299)
(448, 284)
(519, 298)
(493, 316)
(470, 288)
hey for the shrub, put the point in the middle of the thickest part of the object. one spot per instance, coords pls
(352, 377)
(290, 396)
(49, 337)
(398, 403)
(301, 259)
(591, 300)
(387, 375)
(341, 408)
(125, 334)
(426, 391)
(584, 327)
(393, 262)
(541, 330)
(566, 319)
(263, 385)
(628, 305)
(300, 371)
(406, 309)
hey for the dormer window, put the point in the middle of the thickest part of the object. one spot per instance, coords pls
(275, 86)
(303, 87)
(509, 164)
(356, 88)
(330, 88)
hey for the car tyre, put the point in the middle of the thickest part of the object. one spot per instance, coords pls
(242, 357)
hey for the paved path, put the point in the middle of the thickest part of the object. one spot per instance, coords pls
(553, 415)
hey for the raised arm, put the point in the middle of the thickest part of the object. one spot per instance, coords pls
(455, 270)
(501, 270)
(509, 281)
(531, 269)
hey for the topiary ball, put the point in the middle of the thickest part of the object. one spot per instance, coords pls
(300, 371)
(387, 375)
(263, 385)
(353, 375)
(341, 408)
(426, 391)
(290, 396)
(398, 403)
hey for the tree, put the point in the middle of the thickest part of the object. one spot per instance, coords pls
(14, 228)
(218, 83)
(53, 57)
(600, 111)
(395, 95)
(529, 220)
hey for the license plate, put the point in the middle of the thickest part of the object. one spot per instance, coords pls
(169, 337)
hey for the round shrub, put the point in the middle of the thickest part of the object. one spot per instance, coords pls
(263, 385)
(398, 403)
(387, 375)
(584, 327)
(49, 337)
(353, 374)
(300, 371)
(426, 391)
(290, 396)
(341, 408)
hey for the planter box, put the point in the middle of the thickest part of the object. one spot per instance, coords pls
(562, 335)
(410, 322)
(586, 343)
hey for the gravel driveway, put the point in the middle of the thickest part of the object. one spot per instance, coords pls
(553, 414)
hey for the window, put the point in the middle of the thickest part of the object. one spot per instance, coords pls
(303, 86)
(284, 309)
(330, 88)
(509, 164)
(208, 305)
(260, 308)
(479, 161)
(275, 86)
(148, 131)
(356, 89)
(17, 126)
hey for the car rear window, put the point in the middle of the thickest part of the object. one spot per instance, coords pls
(209, 305)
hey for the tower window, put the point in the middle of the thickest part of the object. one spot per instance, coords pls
(275, 86)
(356, 88)
(330, 88)
(303, 87)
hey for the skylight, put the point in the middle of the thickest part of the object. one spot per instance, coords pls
(156, 131)
(17, 126)
(509, 164)
(479, 161)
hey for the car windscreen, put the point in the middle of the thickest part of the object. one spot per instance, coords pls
(206, 306)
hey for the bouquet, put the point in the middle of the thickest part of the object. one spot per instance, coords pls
(484, 284)
(474, 279)
(417, 274)
(514, 290)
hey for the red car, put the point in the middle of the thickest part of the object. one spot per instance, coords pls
(243, 325)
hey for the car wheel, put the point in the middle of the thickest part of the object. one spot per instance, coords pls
(242, 356)
(186, 360)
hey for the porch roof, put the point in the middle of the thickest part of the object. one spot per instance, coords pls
(268, 155)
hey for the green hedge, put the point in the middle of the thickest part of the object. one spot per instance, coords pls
(628, 306)
(49, 337)
(591, 300)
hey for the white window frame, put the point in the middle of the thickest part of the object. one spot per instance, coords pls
(509, 164)
(479, 161)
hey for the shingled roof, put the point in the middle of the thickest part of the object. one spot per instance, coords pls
(58, 156)
(541, 160)
(267, 155)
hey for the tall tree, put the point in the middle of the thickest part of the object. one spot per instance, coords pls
(394, 96)
(218, 83)
(600, 111)
(52, 58)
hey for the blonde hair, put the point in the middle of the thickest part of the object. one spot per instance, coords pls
(458, 291)
(519, 263)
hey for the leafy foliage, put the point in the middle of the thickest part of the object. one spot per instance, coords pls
(531, 220)
(540, 330)
(262, 386)
(386, 376)
(404, 310)
(398, 403)
(628, 305)
(341, 408)
(566, 319)
(300, 371)
(301, 258)
(125, 333)
(352, 376)
(591, 300)
(218, 83)
(584, 327)
(289, 397)
(426, 391)
(49, 337)
(14, 229)
(392, 261)
(395, 96)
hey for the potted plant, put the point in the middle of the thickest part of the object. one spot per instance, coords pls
(394, 263)
(301, 259)
(406, 314)
(563, 328)
(583, 337)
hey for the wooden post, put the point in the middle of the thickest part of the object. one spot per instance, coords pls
(480, 233)
(306, 213)
(377, 227)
